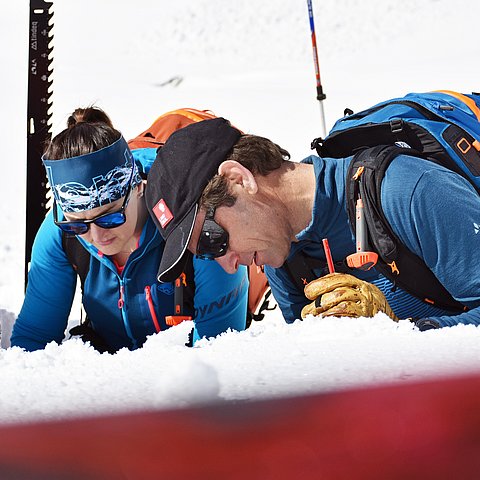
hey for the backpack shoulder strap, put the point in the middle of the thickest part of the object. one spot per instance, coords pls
(77, 255)
(396, 262)
(303, 268)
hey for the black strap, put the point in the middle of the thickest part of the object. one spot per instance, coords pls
(344, 143)
(77, 255)
(303, 268)
(396, 262)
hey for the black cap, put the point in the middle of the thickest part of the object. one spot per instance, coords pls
(180, 173)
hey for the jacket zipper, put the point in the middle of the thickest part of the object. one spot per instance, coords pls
(121, 301)
(148, 296)
(121, 305)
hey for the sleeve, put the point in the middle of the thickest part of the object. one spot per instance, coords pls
(220, 299)
(444, 220)
(289, 298)
(50, 291)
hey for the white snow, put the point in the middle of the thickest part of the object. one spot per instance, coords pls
(251, 62)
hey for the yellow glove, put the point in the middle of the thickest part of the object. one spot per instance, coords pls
(343, 295)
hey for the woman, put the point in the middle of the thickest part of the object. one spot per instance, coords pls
(98, 186)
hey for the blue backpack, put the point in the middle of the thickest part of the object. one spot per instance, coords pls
(441, 127)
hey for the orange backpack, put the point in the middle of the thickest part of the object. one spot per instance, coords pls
(155, 136)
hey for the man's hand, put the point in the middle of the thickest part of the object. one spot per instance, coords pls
(343, 295)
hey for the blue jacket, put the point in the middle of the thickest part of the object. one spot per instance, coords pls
(432, 210)
(117, 305)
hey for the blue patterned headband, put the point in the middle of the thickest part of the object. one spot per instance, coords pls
(92, 180)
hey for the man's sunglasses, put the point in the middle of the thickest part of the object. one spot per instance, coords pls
(213, 240)
(107, 220)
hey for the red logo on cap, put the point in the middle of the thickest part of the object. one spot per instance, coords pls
(163, 213)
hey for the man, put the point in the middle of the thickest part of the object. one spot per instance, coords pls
(238, 199)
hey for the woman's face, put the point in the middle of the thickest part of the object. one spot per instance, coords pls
(114, 240)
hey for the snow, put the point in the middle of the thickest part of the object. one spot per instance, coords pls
(270, 359)
(249, 61)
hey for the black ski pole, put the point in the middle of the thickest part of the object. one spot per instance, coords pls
(320, 95)
(38, 118)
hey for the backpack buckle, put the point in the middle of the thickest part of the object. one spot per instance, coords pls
(396, 125)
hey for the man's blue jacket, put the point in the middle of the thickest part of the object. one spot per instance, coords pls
(432, 210)
(118, 305)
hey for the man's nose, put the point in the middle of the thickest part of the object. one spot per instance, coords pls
(229, 262)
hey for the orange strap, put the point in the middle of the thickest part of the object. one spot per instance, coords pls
(466, 100)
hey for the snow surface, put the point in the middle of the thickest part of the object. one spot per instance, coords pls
(249, 61)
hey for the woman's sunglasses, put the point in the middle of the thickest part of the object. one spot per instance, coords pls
(107, 220)
(213, 240)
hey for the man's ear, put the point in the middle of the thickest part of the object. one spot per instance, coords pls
(237, 173)
(141, 188)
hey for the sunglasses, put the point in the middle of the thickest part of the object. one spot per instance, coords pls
(213, 240)
(107, 220)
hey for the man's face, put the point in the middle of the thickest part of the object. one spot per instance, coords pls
(258, 233)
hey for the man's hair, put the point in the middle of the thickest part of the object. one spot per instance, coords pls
(260, 155)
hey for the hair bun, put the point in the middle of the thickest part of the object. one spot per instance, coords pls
(92, 115)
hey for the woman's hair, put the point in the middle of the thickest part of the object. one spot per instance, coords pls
(88, 130)
(260, 155)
